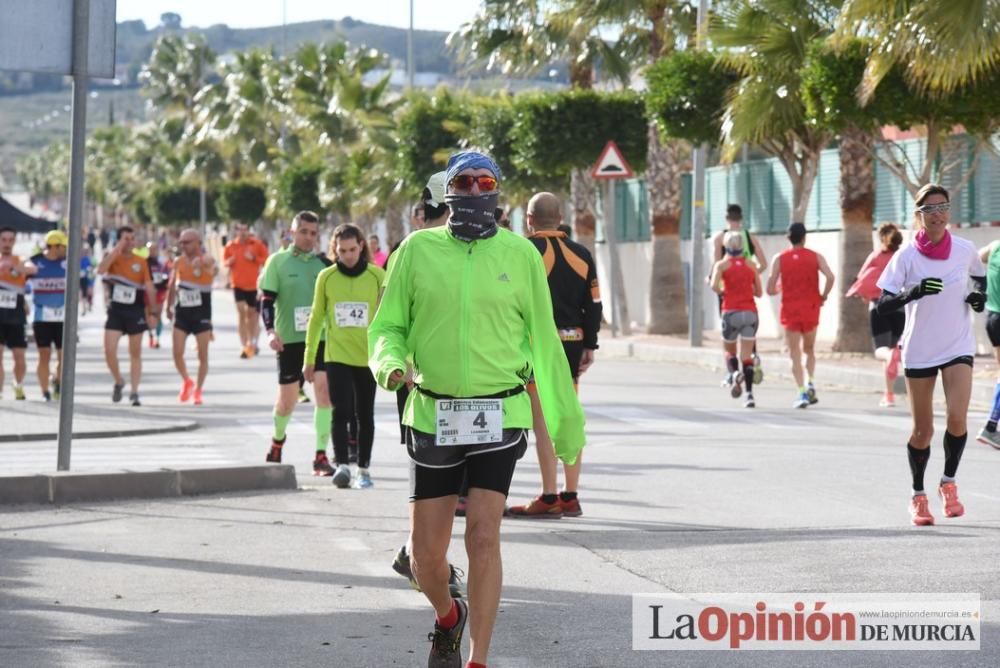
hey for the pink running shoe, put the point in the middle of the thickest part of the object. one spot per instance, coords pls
(949, 496)
(186, 390)
(920, 514)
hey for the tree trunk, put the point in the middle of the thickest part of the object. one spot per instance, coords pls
(667, 302)
(857, 210)
(582, 192)
(393, 226)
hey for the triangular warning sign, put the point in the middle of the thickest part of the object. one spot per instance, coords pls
(611, 164)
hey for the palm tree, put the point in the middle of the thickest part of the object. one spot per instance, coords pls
(651, 29)
(525, 36)
(941, 46)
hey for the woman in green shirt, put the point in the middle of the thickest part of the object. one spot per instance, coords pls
(345, 299)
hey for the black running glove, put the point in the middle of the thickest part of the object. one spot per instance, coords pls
(977, 300)
(928, 286)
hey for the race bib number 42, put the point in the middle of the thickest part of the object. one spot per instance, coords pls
(8, 299)
(189, 298)
(469, 421)
(123, 294)
(302, 318)
(351, 314)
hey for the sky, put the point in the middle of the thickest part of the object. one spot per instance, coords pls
(444, 15)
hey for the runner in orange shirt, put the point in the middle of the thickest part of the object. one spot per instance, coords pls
(13, 318)
(245, 256)
(131, 309)
(189, 305)
(798, 269)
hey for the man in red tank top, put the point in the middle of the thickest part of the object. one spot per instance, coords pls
(796, 277)
(736, 280)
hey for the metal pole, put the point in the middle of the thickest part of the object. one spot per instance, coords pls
(619, 305)
(78, 138)
(696, 314)
(411, 68)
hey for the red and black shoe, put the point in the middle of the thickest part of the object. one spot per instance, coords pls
(321, 465)
(274, 454)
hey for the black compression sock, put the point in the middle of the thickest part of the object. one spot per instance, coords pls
(954, 446)
(732, 363)
(567, 496)
(748, 375)
(918, 464)
(549, 498)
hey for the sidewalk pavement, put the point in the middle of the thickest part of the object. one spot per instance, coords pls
(31, 421)
(859, 372)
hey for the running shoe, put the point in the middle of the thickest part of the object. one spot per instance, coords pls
(460, 508)
(243, 353)
(401, 564)
(198, 400)
(274, 454)
(920, 514)
(56, 388)
(321, 465)
(537, 510)
(152, 342)
(187, 389)
(363, 480)
(811, 394)
(758, 371)
(949, 496)
(134, 399)
(736, 389)
(19, 392)
(342, 477)
(749, 403)
(446, 644)
(989, 437)
(303, 397)
(157, 344)
(570, 508)
(47, 397)
(116, 392)
(801, 402)
(887, 401)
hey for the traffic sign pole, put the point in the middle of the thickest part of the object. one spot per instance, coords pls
(611, 165)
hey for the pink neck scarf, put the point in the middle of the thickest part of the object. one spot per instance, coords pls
(939, 251)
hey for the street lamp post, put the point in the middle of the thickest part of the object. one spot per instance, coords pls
(696, 319)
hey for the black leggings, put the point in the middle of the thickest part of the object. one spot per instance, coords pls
(352, 393)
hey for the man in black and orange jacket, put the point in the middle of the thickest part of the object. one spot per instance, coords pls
(576, 302)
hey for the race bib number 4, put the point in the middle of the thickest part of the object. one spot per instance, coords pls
(302, 318)
(8, 299)
(53, 313)
(351, 314)
(123, 294)
(189, 298)
(469, 421)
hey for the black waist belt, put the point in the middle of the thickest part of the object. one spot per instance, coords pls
(514, 391)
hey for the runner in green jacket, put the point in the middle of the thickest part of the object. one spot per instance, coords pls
(470, 305)
(344, 301)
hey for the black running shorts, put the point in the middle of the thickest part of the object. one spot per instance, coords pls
(48, 334)
(443, 470)
(248, 297)
(292, 359)
(931, 372)
(12, 335)
(192, 324)
(993, 328)
(129, 321)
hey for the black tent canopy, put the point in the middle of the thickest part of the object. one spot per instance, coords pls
(11, 216)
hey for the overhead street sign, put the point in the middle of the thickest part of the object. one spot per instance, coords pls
(611, 164)
(37, 36)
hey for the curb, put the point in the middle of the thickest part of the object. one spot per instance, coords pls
(858, 380)
(119, 433)
(61, 488)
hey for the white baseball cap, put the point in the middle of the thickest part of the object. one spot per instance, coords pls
(436, 186)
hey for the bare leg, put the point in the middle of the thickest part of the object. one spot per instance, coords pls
(482, 543)
(543, 444)
(957, 382)
(241, 310)
(111, 339)
(920, 392)
(203, 339)
(20, 366)
(572, 473)
(809, 349)
(794, 341)
(44, 355)
(135, 361)
(179, 342)
(430, 530)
